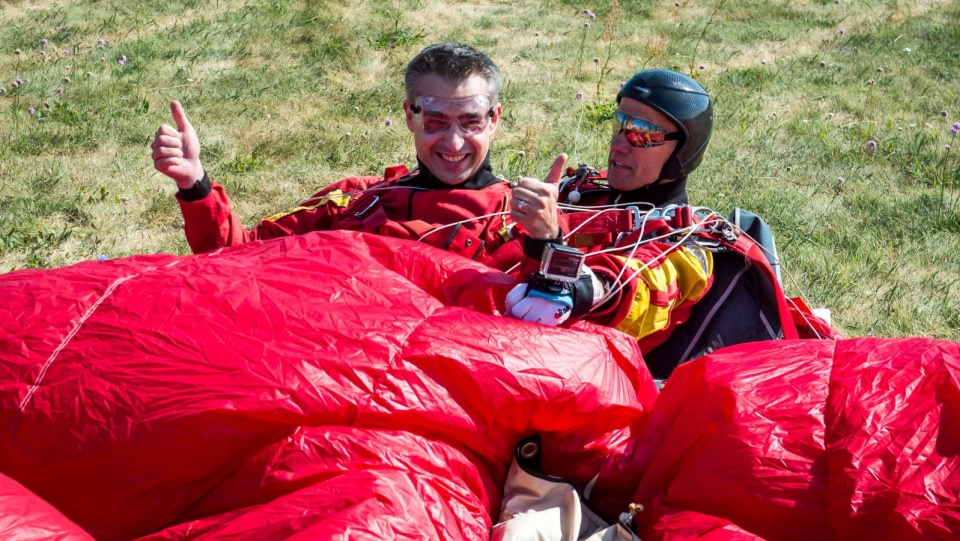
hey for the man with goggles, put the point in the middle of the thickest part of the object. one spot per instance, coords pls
(660, 133)
(640, 133)
(434, 115)
(661, 129)
(452, 200)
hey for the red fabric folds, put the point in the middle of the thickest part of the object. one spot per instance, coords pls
(340, 383)
(853, 439)
(327, 382)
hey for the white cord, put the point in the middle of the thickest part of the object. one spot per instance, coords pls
(358, 192)
(485, 216)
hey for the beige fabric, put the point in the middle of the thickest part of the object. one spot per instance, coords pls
(537, 509)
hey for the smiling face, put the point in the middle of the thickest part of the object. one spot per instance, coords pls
(452, 155)
(630, 168)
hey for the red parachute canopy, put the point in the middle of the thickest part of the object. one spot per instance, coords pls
(296, 388)
(346, 384)
(852, 439)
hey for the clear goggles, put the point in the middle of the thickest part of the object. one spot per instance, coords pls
(640, 133)
(434, 115)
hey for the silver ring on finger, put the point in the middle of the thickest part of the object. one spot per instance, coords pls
(520, 204)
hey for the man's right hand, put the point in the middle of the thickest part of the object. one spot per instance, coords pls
(176, 151)
(534, 203)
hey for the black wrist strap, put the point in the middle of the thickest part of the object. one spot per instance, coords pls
(582, 296)
(534, 247)
(198, 191)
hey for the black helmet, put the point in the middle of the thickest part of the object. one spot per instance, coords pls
(686, 103)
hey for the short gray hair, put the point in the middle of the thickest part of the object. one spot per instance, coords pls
(453, 62)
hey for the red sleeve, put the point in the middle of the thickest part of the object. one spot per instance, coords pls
(209, 223)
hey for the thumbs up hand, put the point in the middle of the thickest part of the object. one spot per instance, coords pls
(534, 202)
(176, 151)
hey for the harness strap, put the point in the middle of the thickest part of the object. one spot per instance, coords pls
(595, 229)
(603, 228)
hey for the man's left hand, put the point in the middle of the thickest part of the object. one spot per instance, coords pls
(537, 306)
(534, 202)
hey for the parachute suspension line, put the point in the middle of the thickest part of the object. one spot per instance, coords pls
(461, 222)
(621, 283)
(793, 281)
(584, 208)
(598, 210)
(585, 222)
(360, 192)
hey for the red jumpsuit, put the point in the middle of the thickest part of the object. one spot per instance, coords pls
(471, 221)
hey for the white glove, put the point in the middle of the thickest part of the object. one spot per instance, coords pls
(538, 307)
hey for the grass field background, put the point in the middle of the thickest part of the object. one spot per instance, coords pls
(834, 120)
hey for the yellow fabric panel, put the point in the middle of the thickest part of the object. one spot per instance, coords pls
(688, 271)
(336, 197)
(694, 271)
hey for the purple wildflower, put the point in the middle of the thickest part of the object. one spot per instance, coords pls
(58, 90)
(592, 15)
(955, 129)
(31, 111)
(586, 25)
(841, 31)
(43, 53)
(44, 42)
(17, 82)
(101, 43)
(948, 147)
(121, 62)
(388, 122)
(66, 52)
(579, 95)
(124, 58)
(16, 51)
(702, 67)
(871, 144)
(943, 114)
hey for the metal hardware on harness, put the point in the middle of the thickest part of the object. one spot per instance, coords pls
(578, 175)
(637, 217)
(728, 232)
(360, 213)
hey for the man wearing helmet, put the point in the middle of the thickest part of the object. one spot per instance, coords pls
(661, 129)
(673, 295)
(660, 133)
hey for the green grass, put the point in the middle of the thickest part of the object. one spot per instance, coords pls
(289, 96)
